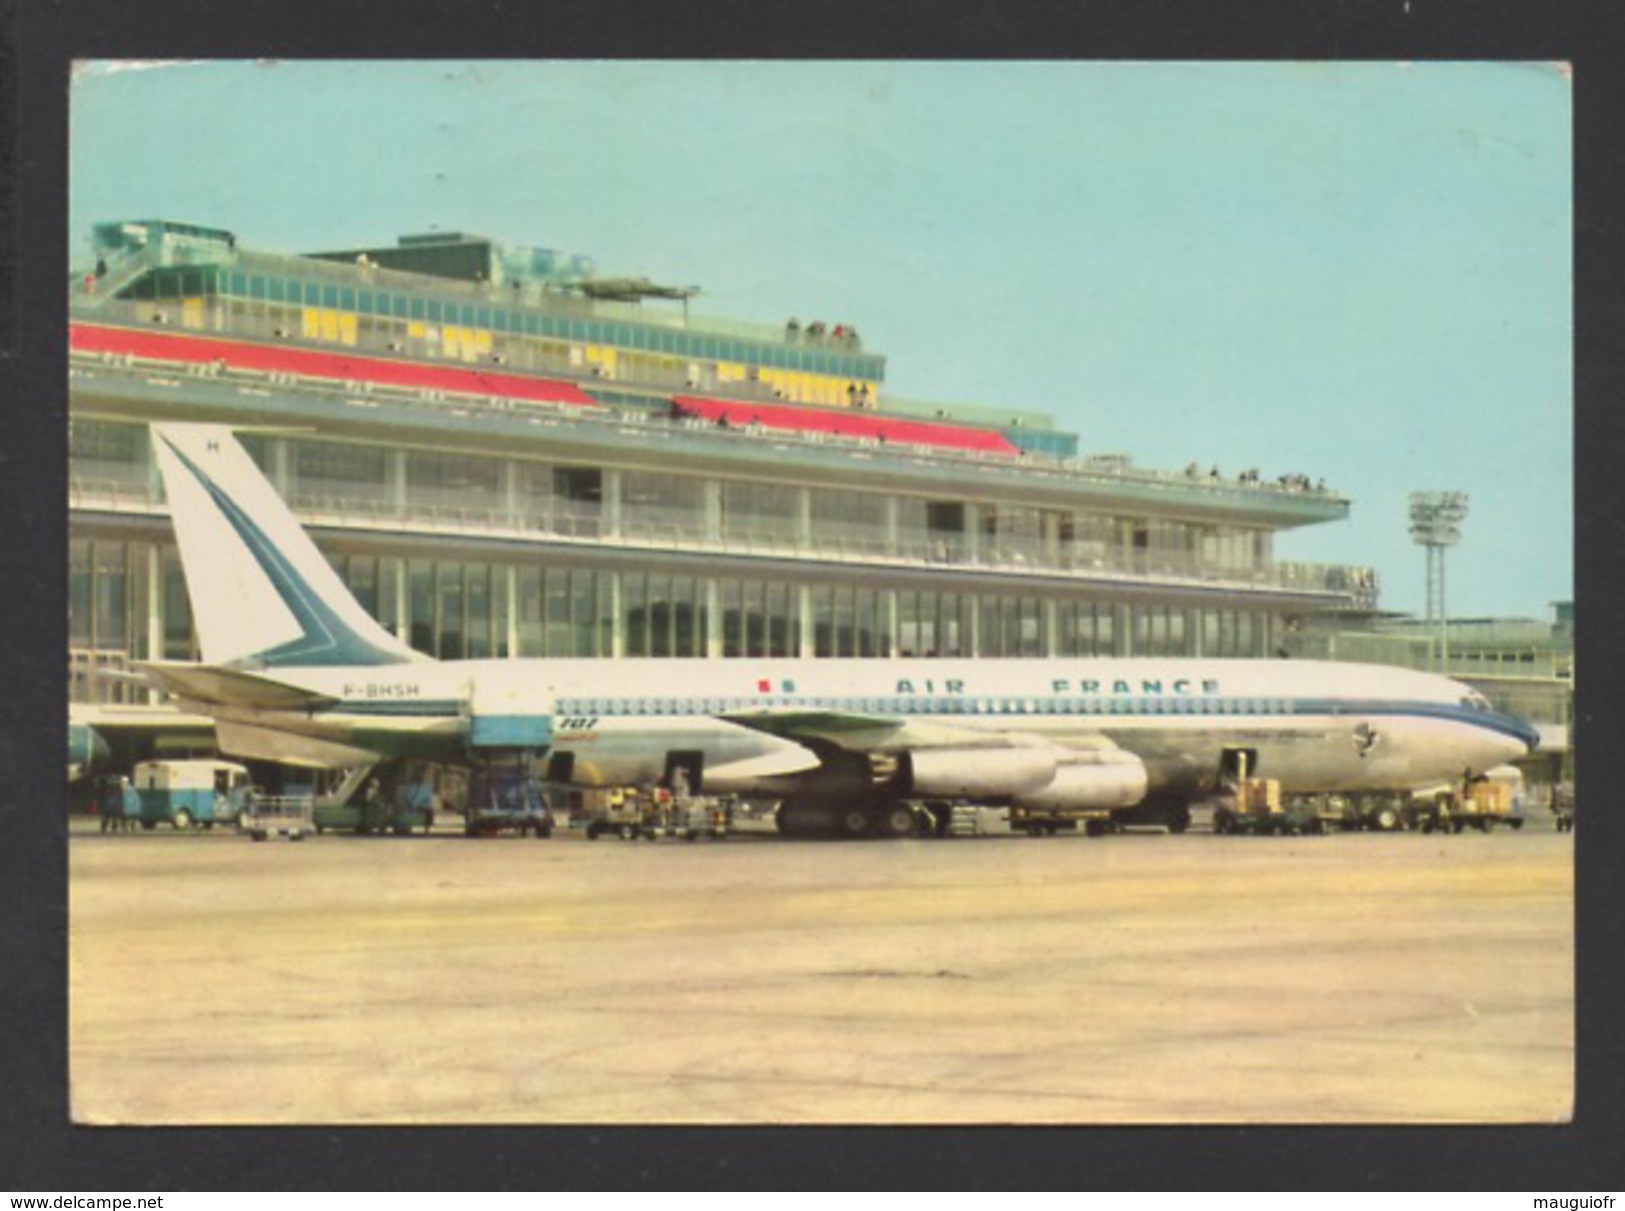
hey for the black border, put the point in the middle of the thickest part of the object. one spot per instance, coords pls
(40, 1151)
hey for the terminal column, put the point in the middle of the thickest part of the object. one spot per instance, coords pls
(155, 619)
(972, 537)
(808, 642)
(510, 578)
(611, 492)
(804, 524)
(278, 469)
(403, 601)
(713, 618)
(395, 470)
(713, 512)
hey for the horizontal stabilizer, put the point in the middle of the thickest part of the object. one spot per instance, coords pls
(285, 748)
(209, 684)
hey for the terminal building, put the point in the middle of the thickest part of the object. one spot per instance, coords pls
(505, 454)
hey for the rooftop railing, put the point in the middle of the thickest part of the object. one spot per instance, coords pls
(656, 426)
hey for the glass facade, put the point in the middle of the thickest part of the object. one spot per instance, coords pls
(127, 598)
(461, 608)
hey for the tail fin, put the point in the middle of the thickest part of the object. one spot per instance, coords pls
(262, 594)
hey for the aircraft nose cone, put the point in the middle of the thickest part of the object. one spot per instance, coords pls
(1520, 736)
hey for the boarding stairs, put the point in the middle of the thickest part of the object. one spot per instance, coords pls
(123, 267)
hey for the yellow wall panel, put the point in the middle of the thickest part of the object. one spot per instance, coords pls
(310, 324)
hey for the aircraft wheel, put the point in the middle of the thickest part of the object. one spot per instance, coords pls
(1387, 819)
(898, 821)
(855, 823)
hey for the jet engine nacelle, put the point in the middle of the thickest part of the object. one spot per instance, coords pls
(977, 772)
(1106, 779)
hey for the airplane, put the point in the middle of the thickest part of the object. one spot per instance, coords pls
(295, 670)
(87, 750)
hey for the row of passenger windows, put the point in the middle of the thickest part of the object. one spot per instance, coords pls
(292, 292)
(927, 705)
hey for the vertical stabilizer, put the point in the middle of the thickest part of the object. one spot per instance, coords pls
(262, 594)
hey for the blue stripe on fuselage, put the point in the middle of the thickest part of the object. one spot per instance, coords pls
(1110, 712)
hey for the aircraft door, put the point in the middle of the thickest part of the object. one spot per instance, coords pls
(692, 765)
(1236, 764)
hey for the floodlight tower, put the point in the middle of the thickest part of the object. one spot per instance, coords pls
(1436, 519)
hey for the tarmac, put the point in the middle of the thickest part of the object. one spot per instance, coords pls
(1130, 979)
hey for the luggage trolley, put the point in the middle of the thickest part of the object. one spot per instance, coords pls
(266, 816)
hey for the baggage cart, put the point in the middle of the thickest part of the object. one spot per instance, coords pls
(266, 816)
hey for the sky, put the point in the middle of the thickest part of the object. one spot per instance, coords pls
(1359, 272)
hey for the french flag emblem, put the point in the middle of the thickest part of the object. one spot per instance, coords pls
(764, 686)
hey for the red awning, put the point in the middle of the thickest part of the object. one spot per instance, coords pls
(283, 359)
(847, 424)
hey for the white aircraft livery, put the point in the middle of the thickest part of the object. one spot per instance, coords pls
(295, 670)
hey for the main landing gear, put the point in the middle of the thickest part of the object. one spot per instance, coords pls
(799, 818)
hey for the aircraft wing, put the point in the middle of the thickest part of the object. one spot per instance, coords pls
(865, 733)
(213, 685)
